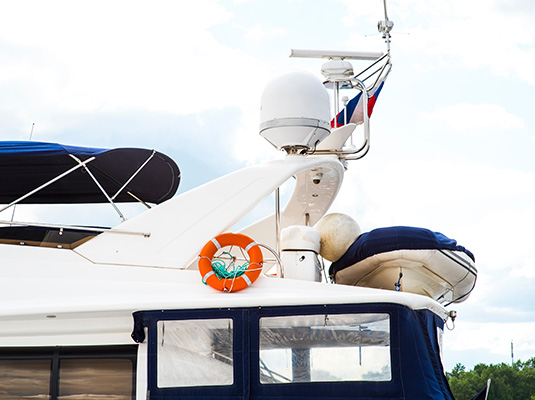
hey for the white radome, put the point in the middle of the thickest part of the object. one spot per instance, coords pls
(295, 111)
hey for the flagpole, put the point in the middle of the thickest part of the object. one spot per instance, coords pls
(336, 105)
(385, 27)
(345, 99)
(488, 387)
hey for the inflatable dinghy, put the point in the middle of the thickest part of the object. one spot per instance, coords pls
(408, 259)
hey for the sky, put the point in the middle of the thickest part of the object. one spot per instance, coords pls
(453, 132)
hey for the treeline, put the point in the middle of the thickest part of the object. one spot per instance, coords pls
(516, 382)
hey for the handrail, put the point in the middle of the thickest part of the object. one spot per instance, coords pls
(366, 144)
(357, 153)
(74, 227)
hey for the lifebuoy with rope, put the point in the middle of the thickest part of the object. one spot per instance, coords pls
(237, 279)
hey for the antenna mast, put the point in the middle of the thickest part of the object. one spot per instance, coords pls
(385, 27)
(31, 132)
(339, 75)
(15, 206)
(512, 354)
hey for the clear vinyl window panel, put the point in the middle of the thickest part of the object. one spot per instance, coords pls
(325, 348)
(195, 353)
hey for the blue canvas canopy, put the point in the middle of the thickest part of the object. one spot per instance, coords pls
(415, 365)
(125, 174)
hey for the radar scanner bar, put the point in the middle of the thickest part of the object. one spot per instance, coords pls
(341, 55)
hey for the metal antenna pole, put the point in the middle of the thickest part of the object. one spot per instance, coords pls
(336, 101)
(15, 206)
(384, 5)
(277, 221)
(512, 354)
(31, 132)
(385, 27)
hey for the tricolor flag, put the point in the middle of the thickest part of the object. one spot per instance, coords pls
(354, 108)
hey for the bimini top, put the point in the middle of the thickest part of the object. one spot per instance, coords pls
(125, 174)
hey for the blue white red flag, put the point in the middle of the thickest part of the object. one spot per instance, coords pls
(354, 108)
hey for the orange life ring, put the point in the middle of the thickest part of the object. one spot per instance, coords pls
(236, 283)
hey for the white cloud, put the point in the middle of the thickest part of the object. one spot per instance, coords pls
(107, 56)
(496, 34)
(489, 210)
(474, 118)
(258, 33)
(527, 268)
(416, 185)
(493, 337)
(473, 343)
(371, 10)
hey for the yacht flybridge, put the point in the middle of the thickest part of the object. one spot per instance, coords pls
(170, 304)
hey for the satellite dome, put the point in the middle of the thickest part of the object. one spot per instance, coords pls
(294, 112)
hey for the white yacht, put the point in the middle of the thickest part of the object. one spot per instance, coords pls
(172, 305)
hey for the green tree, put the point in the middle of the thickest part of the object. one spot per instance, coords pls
(516, 382)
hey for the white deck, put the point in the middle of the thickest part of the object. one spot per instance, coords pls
(87, 295)
(65, 299)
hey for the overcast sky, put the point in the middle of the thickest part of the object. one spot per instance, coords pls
(453, 132)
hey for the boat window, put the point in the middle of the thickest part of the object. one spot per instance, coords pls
(83, 379)
(195, 353)
(74, 373)
(25, 379)
(45, 237)
(325, 348)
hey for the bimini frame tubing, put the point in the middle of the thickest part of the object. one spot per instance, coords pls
(50, 182)
(110, 199)
(132, 177)
(83, 164)
(99, 186)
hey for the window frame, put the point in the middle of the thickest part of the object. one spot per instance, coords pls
(240, 365)
(246, 322)
(323, 390)
(321, 315)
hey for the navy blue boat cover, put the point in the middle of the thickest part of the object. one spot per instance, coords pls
(383, 240)
(417, 371)
(25, 166)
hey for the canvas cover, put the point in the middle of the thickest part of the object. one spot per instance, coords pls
(383, 240)
(25, 166)
(416, 367)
